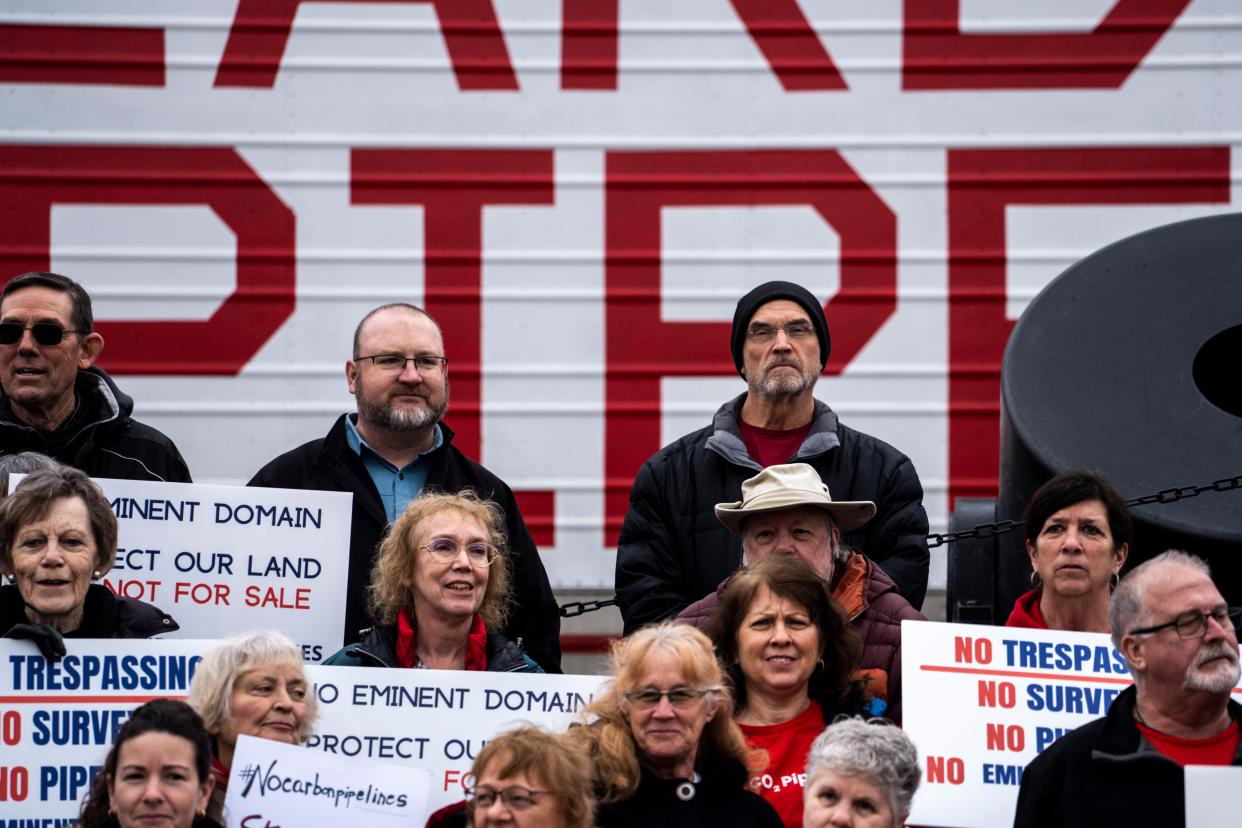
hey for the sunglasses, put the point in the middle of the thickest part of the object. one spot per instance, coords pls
(45, 333)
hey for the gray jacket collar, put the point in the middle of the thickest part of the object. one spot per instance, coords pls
(726, 439)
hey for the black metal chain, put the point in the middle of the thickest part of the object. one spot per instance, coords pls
(987, 530)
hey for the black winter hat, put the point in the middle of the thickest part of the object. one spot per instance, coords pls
(751, 302)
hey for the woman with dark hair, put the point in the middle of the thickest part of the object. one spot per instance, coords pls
(791, 656)
(1077, 536)
(57, 535)
(157, 772)
(662, 741)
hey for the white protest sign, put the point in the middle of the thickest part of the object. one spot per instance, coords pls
(436, 719)
(277, 784)
(58, 719)
(981, 702)
(1213, 796)
(228, 559)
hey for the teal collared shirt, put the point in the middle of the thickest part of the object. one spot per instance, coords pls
(397, 487)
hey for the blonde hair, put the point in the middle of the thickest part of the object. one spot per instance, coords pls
(389, 592)
(212, 686)
(549, 761)
(605, 733)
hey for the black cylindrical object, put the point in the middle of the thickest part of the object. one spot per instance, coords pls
(1130, 363)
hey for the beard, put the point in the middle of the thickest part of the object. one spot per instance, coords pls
(391, 417)
(783, 384)
(1222, 677)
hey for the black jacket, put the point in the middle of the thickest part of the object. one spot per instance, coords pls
(720, 798)
(331, 465)
(104, 615)
(1105, 773)
(378, 648)
(100, 438)
(673, 551)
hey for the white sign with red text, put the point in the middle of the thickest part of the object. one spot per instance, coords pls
(436, 719)
(981, 702)
(228, 559)
(58, 719)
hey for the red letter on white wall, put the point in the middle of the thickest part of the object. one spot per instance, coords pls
(34, 178)
(982, 183)
(641, 348)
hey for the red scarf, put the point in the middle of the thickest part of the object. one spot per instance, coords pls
(476, 642)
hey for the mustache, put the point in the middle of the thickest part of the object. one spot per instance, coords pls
(1216, 650)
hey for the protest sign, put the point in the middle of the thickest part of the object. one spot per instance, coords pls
(58, 719)
(228, 559)
(436, 719)
(278, 784)
(1213, 796)
(981, 702)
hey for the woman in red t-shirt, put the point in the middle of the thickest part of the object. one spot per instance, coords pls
(791, 655)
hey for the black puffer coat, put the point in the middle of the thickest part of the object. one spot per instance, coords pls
(673, 551)
(104, 615)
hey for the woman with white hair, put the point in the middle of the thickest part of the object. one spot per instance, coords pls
(251, 685)
(860, 774)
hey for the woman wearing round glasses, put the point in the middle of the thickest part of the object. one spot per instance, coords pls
(440, 591)
(662, 738)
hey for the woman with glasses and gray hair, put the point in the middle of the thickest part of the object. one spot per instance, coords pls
(860, 774)
(440, 591)
(662, 740)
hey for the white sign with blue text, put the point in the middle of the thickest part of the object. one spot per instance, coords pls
(58, 719)
(436, 719)
(228, 559)
(277, 784)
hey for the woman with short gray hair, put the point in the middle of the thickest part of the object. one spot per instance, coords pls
(250, 685)
(862, 774)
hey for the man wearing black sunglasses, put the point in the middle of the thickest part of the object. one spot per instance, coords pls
(1180, 642)
(56, 401)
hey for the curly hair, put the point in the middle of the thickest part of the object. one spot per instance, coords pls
(604, 730)
(549, 761)
(788, 576)
(389, 591)
(876, 750)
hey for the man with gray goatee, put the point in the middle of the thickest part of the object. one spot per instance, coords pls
(1180, 641)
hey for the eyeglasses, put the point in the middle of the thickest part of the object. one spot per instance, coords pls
(478, 553)
(766, 333)
(425, 363)
(45, 333)
(679, 697)
(1191, 624)
(515, 796)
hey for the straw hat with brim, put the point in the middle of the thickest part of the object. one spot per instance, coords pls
(787, 487)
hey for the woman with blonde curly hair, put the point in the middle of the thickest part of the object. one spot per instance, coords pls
(440, 591)
(662, 738)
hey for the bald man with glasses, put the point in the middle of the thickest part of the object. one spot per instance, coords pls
(397, 445)
(56, 401)
(1180, 642)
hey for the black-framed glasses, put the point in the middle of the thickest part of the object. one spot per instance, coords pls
(679, 697)
(517, 797)
(479, 554)
(45, 333)
(794, 330)
(425, 363)
(1192, 623)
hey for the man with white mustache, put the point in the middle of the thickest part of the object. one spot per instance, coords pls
(672, 552)
(396, 446)
(1180, 641)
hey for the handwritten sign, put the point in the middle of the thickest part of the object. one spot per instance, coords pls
(278, 784)
(436, 719)
(58, 719)
(1213, 796)
(227, 559)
